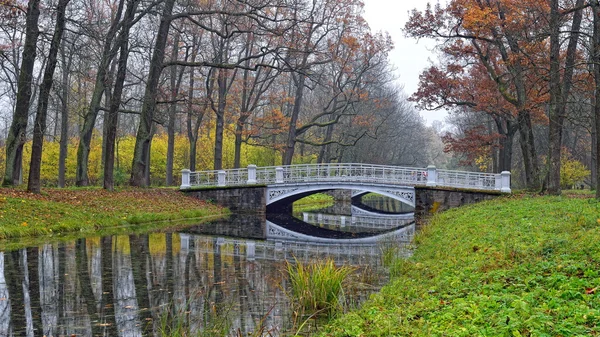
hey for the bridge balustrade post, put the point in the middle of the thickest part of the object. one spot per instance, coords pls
(431, 175)
(184, 240)
(279, 175)
(250, 250)
(505, 182)
(251, 174)
(185, 179)
(221, 178)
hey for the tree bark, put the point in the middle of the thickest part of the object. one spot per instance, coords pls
(291, 139)
(64, 118)
(596, 62)
(192, 128)
(17, 133)
(554, 127)
(506, 144)
(528, 150)
(559, 95)
(220, 114)
(141, 158)
(39, 128)
(175, 86)
(85, 139)
(112, 117)
(593, 155)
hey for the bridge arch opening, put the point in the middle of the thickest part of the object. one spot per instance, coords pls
(279, 199)
(377, 203)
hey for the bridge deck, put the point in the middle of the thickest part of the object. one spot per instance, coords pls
(347, 172)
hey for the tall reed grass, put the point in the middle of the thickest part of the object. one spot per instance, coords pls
(318, 287)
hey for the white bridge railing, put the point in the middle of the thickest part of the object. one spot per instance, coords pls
(354, 222)
(345, 172)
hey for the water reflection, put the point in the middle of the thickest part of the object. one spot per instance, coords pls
(355, 223)
(379, 204)
(225, 283)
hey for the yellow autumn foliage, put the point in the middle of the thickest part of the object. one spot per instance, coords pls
(124, 148)
(572, 172)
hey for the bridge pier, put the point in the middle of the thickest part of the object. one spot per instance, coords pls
(236, 198)
(431, 200)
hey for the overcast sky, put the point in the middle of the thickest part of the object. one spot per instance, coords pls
(409, 56)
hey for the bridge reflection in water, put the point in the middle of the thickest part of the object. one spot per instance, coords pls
(127, 285)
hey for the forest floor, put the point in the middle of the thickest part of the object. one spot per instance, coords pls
(84, 211)
(520, 265)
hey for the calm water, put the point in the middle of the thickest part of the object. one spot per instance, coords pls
(216, 279)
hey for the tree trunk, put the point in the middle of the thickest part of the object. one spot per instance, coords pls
(141, 158)
(17, 133)
(175, 85)
(596, 62)
(506, 144)
(324, 152)
(528, 150)
(291, 139)
(192, 132)
(192, 129)
(239, 134)
(85, 139)
(64, 119)
(112, 117)
(220, 122)
(554, 127)
(39, 128)
(594, 156)
(558, 95)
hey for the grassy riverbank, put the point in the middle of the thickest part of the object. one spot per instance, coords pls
(312, 202)
(516, 266)
(89, 211)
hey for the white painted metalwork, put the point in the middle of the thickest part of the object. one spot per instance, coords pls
(276, 232)
(281, 250)
(276, 192)
(358, 222)
(346, 172)
(357, 211)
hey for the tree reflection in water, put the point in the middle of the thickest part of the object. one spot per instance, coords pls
(140, 285)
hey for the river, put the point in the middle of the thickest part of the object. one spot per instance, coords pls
(218, 279)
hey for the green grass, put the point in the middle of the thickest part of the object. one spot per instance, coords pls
(313, 201)
(25, 216)
(514, 266)
(317, 287)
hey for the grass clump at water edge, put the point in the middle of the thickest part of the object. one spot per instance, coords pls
(317, 287)
(515, 266)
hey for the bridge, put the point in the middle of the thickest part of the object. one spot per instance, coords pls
(274, 188)
(289, 183)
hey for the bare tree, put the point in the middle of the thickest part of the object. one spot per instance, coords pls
(109, 52)
(16, 136)
(39, 128)
(141, 156)
(115, 98)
